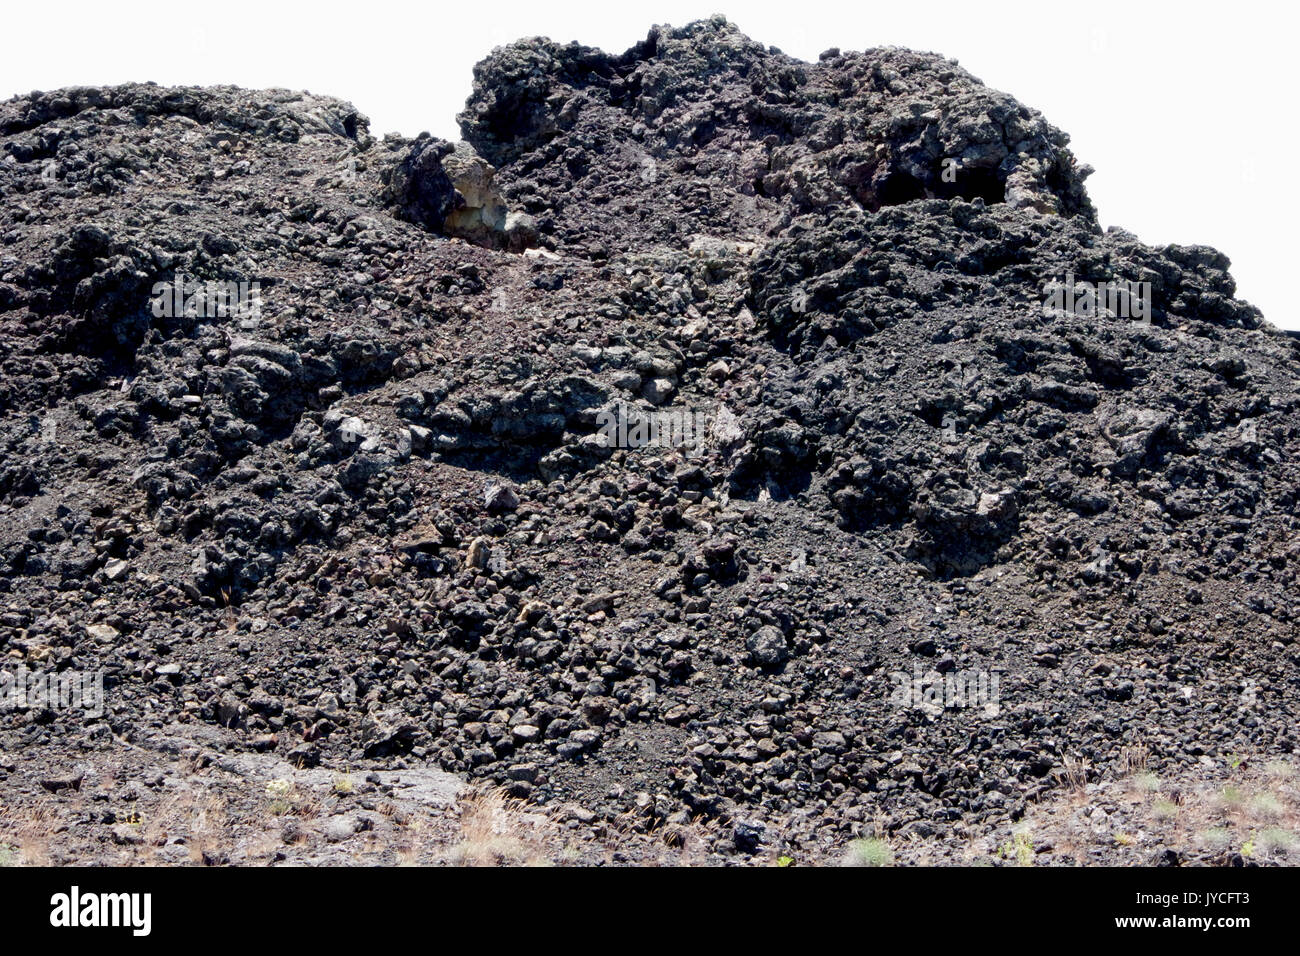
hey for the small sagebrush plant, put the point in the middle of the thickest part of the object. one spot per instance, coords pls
(1267, 806)
(868, 851)
(1165, 809)
(7, 856)
(1147, 781)
(1232, 796)
(1277, 840)
(1217, 837)
(1279, 768)
(1020, 848)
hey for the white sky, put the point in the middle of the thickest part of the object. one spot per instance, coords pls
(1185, 109)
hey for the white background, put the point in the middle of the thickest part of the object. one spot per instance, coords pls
(1186, 110)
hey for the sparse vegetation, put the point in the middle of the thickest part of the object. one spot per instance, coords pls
(1073, 772)
(1277, 840)
(1134, 759)
(868, 851)
(1265, 806)
(1019, 848)
(1217, 837)
(491, 834)
(1164, 810)
(1147, 782)
(1279, 769)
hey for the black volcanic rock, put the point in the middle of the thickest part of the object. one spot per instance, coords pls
(703, 130)
(362, 471)
(420, 187)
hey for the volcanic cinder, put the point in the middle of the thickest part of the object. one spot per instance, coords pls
(300, 447)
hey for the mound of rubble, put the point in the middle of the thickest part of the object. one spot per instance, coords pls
(301, 435)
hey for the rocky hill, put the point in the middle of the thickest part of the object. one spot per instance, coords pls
(305, 445)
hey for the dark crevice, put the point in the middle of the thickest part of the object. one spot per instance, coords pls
(896, 187)
(985, 184)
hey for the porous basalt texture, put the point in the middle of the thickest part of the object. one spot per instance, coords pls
(370, 525)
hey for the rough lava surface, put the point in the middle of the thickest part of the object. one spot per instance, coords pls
(370, 527)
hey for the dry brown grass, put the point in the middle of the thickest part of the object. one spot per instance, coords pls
(285, 798)
(26, 839)
(1134, 760)
(1073, 773)
(209, 827)
(493, 834)
(1236, 806)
